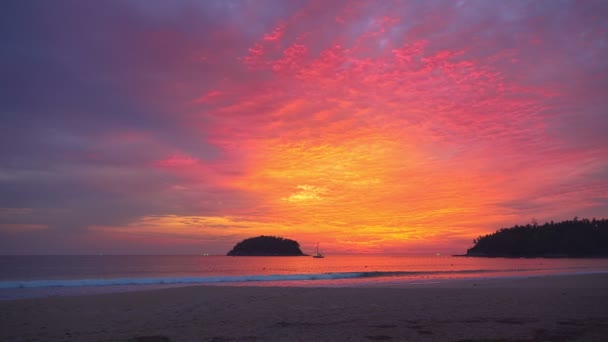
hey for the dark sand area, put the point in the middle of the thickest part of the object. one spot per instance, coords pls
(548, 308)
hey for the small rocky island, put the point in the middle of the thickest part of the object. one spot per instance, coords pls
(266, 246)
(567, 239)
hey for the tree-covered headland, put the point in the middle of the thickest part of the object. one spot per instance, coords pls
(573, 238)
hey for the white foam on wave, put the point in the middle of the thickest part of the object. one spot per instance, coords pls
(172, 280)
(214, 279)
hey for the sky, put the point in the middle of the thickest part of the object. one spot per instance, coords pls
(402, 127)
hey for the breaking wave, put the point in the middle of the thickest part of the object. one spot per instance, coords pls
(222, 279)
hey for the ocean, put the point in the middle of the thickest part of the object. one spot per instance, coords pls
(43, 276)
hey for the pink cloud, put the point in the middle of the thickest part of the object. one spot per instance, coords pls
(411, 121)
(276, 34)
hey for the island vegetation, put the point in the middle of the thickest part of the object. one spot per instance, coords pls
(572, 238)
(266, 246)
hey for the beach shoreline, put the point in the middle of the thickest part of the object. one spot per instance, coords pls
(553, 308)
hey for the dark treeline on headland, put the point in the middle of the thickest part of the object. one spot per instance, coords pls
(573, 238)
(266, 246)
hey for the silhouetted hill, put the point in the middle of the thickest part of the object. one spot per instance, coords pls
(575, 238)
(266, 246)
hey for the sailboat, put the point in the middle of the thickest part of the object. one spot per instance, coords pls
(317, 254)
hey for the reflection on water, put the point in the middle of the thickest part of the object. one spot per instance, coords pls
(35, 276)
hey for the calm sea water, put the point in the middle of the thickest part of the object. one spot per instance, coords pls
(39, 276)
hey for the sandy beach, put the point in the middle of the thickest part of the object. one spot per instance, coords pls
(547, 308)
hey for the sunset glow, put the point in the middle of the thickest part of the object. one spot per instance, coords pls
(368, 126)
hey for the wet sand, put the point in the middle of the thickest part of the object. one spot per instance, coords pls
(548, 308)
